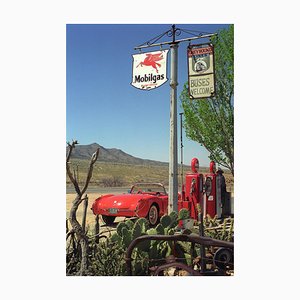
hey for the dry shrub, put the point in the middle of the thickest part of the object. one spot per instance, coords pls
(114, 181)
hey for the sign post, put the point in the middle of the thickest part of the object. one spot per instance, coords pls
(173, 153)
(143, 82)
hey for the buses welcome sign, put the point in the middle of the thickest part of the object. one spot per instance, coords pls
(201, 71)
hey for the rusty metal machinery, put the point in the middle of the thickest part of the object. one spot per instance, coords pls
(222, 258)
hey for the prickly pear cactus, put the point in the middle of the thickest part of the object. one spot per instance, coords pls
(126, 237)
(144, 223)
(136, 230)
(183, 214)
(120, 226)
(170, 231)
(146, 252)
(115, 238)
(151, 231)
(174, 219)
(144, 245)
(165, 221)
(160, 229)
(129, 224)
(173, 215)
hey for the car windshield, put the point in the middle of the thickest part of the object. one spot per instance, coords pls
(148, 189)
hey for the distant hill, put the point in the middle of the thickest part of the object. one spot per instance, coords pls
(110, 155)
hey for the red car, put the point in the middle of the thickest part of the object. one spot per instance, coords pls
(148, 200)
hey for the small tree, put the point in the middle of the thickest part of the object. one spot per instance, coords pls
(76, 227)
(210, 121)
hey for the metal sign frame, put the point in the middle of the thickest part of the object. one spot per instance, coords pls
(189, 48)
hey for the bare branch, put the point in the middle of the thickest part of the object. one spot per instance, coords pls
(90, 172)
(71, 147)
(84, 212)
(70, 233)
(76, 226)
(73, 180)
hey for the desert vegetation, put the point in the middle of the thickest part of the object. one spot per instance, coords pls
(106, 174)
(107, 248)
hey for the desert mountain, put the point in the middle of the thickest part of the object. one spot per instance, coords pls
(110, 155)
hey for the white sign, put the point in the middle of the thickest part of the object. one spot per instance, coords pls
(201, 71)
(149, 70)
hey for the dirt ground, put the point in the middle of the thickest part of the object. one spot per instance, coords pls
(90, 217)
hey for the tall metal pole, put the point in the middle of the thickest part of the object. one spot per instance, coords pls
(181, 149)
(173, 154)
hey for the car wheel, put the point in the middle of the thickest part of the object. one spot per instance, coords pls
(108, 220)
(153, 215)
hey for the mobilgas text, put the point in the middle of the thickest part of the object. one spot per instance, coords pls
(149, 78)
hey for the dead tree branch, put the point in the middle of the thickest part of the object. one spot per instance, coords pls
(90, 172)
(76, 227)
(72, 178)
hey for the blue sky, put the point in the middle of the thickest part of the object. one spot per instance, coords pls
(103, 107)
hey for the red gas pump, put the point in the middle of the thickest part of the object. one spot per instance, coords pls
(193, 191)
(202, 190)
(214, 194)
(210, 205)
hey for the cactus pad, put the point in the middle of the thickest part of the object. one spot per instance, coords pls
(165, 221)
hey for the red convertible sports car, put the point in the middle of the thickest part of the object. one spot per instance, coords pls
(148, 200)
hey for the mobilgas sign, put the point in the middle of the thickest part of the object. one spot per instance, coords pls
(149, 70)
(201, 71)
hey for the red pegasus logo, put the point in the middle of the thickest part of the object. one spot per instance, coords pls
(151, 60)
